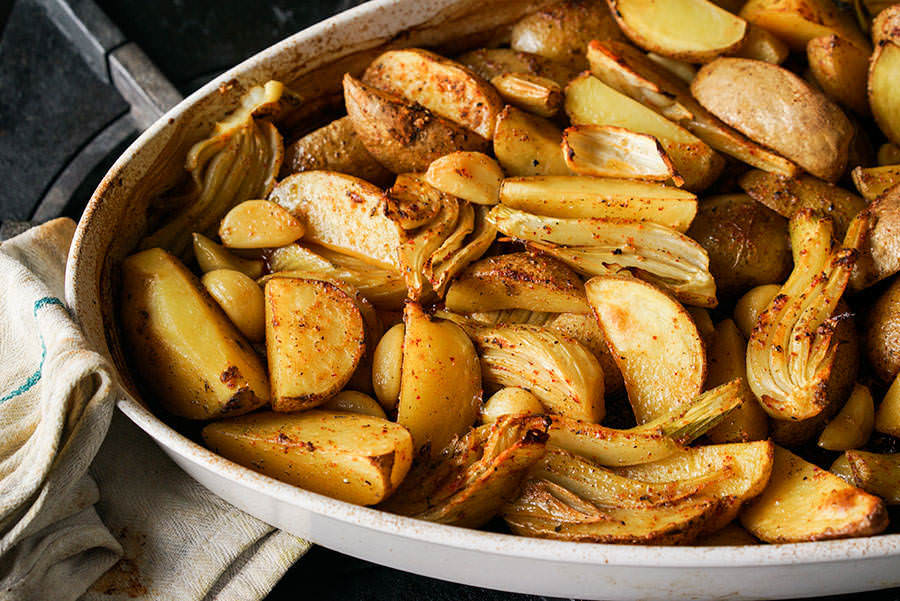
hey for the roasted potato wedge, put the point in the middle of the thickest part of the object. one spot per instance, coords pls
(472, 176)
(747, 243)
(561, 31)
(517, 281)
(352, 457)
(315, 339)
(441, 85)
(759, 44)
(526, 144)
(640, 77)
(403, 136)
(799, 21)
(558, 370)
(183, 347)
(341, 212)
(211, 256)
(774, 107)
(883, 333)
(334, 147)
(654, 341)
(788, 196)
(876, 473)
(590, 101)
(584, 328)
(803, 502)
(690, 30)
(884, 68)
(875, 233)
(488, 63)
(851, 428)
(840, 68)
(872, 182)
(259, 224)
(609, 151)
(241, 298)
(440, 381)
(603, 198)
(532, 93)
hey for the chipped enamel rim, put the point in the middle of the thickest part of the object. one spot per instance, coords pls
(85, 266)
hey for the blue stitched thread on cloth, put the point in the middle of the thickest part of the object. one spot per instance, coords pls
(36, 376)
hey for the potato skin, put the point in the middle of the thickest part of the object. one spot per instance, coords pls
(402, 136)
(776, 108)
(747, 242)
(883, 333)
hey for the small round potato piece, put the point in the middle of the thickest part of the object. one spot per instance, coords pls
(510, 401)
(747, 242)
(386, 363)
(883, 333)
(355, 402)
(242, 300)
(750, 306)
(259, 224)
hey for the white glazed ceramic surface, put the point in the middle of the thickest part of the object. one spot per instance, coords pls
(113, 223)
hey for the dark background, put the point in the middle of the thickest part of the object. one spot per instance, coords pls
(53, 105)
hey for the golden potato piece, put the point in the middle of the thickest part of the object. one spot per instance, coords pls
(803, 502)
(259, 224)
(211, 256)
(558, 370)
(440, 381)
(603, 198)
(241, 298)
(472, 176)
(352, 401)
(532, 93)
(726, 354)
(883, 333)
(526, 144)
(334, 147)
(403, 136)
(788, 196)
(510, 401)
(488, 63)
(341, 212)
(183, 348)
(562, 30)
(759, 44)
(609, 151)
(352, 457)
(589, 100)
(884, 98)
(799, 21)
(747, 243)
(876, 473)
(851, 428)
(875, 233)
(441, 85)
(840, 68)
(315, 338)
(691, 30)
(774, 107)
(517, 281)
(654, 341)
(875, 181)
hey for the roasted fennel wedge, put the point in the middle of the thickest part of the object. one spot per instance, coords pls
(792, 348)
(473, 235)
(651, 251)
(483, 471)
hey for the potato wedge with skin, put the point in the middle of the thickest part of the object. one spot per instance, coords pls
(334, 147)
(532, 93)
(654, 341)
(759, 44)
(558, 370)
(441, 85)
(608, 151)
(590, 101)
(788, 196)
(803, 502)
(690, 30)
(182, 345)
(774, 107)
(242, 300)
(629, 71)
(882, 330)
(562, 30)
(352, 457)
(875, 233)
(884, 99)
(799, 21)
(584, 328)
(481, 471)
(440, 381)
(526, 144)
(510, 401)
(876, 473)
(315, 338)
(211, 256)
(488, 63)
(602, 198)
(402, 136)
(872, 182)
(840, 68)
(472, 176)
(517, 281)
(727, 361)
(341, 212)
(259, 224)
(747, 243)
(851, 428)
